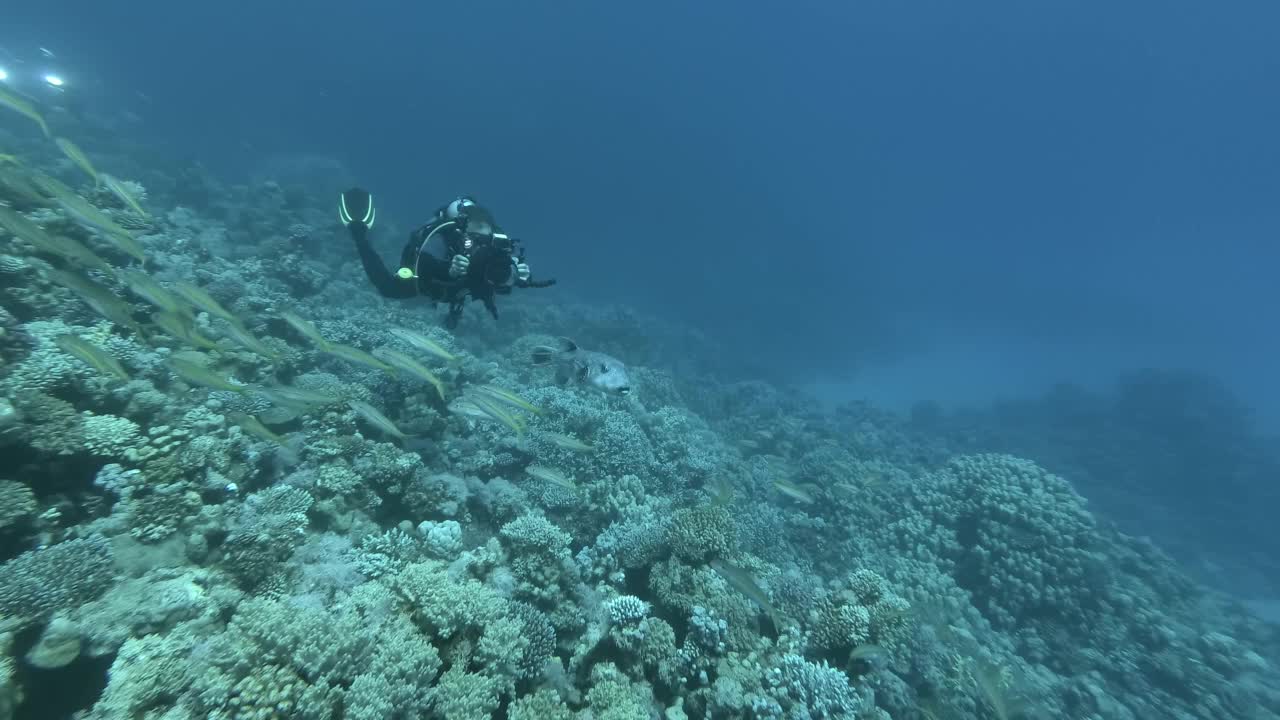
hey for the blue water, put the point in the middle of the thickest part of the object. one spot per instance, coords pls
(1043, 229)
(1088, 188)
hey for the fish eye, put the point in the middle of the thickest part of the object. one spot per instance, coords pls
(624, 391)
(604, 368)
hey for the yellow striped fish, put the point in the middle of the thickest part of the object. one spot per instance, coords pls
(376, 418)
(424, 343)
(357, 356)
(413, 367)
(92, 355)
(124, 195)
(21, 106)
(199, 375)
(202, 300)
(77, 156)
(306, 329)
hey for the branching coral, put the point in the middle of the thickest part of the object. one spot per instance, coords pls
(701, 533)
(443, 606)
(39, 582)
(17, 502)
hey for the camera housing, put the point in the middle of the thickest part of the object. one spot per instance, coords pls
(490, 265)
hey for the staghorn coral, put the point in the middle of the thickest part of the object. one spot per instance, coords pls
(544, 704)
(626, 609)
(17, 503)
(540, 635)
(540, 560)
(39, 582)
(268, 527)
(808, 690)
(461, 695)
(442, 606)
(701, 533)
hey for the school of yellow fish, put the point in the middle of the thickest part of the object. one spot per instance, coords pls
(95, 280)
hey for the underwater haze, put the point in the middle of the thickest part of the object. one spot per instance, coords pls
(1002, 195)
(905, 360)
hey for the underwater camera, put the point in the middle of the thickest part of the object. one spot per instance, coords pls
(485, 238)
(491, 263)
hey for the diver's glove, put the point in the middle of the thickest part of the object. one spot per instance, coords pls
(459, 265)
(522, 271)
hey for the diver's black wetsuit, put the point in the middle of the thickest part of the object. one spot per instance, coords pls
(427, 256)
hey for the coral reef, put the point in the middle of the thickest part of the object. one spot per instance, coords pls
(213, 487)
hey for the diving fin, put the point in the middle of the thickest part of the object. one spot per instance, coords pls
(356, 205)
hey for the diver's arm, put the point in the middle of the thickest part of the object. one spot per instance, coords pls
(388, 284)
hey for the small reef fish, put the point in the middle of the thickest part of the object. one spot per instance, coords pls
(21, 106)
(465, 408)
(103, 301)
(92, 355)
(18, 187)
(551, 475)
(241, 335)
(413, 367)
(306, 329)
(124, 195)
(178, 325)
(376, 418)
(147, 288)
(254, 427)
(277, 415)
(357, 356)
(199, 375)
(864, 483)
(18, 225)
(424, 343)
(77, 156)
(505, 397)
(866, 652)
(64, 247)
(585, 367)
(567, 442)
(73, 251)
(723, 495)
(202, 300)
(296, 398)
(85, 213)
(481, 408)
(793, 491)
(741, 580)
(500, 413)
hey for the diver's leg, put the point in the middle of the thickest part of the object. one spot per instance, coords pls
(455, 314)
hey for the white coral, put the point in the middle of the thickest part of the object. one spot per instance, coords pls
(626, 609)
(110, 435)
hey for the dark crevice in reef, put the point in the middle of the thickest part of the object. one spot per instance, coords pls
(59, 693)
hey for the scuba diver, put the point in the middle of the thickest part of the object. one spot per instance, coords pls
(461, 253)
